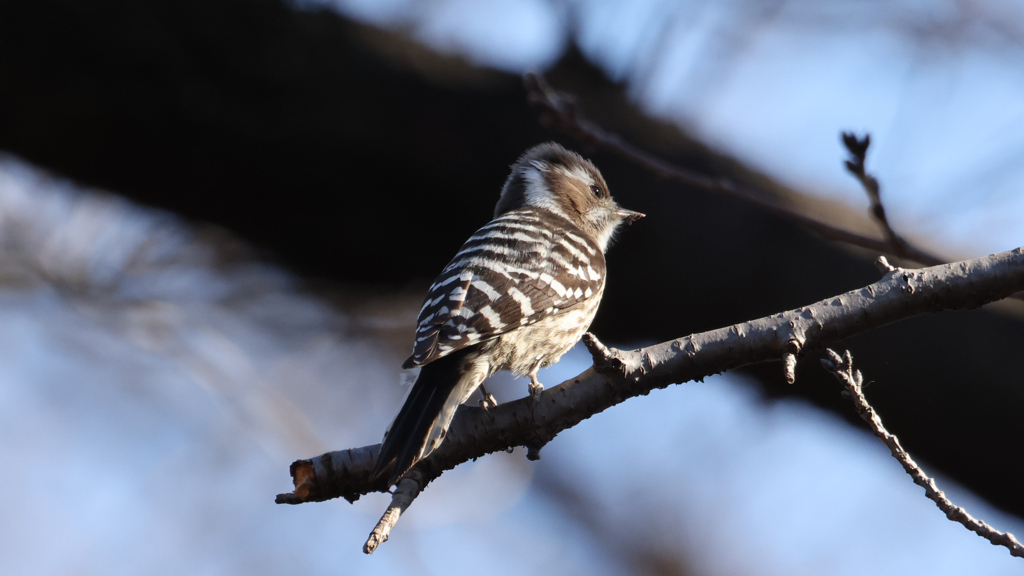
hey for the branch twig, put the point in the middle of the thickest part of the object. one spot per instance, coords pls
(842, 368)
(406, 491)
(858, 148)
(620, 374)
(560, 110)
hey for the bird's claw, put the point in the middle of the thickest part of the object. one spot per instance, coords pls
(535, 389)
(488, 401)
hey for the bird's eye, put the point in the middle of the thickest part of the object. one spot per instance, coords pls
(595, 190)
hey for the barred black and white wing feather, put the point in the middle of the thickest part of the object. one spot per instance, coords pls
(522, 267)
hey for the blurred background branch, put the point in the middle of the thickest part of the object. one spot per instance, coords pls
(560, 111)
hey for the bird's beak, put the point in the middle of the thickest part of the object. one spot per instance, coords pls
(628, 216)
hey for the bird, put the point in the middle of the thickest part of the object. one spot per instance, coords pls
(518, 295)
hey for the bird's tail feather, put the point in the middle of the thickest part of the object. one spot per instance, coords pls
(422, 422)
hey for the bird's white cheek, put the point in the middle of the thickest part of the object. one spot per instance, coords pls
(538, 194)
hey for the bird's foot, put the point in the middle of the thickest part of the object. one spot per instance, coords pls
(488, 401)
(535, 388)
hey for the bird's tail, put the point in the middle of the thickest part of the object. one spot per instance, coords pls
(423, 421)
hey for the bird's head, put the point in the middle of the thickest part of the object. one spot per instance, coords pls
(550, 177)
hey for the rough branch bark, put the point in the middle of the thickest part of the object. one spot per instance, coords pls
(618, 374)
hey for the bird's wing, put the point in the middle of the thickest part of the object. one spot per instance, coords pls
(511, 273)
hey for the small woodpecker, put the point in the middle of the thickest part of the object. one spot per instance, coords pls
(519, 294)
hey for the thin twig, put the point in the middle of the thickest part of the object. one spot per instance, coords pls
(407, 490)
(560, 110)
(853, 381)
(858, 148)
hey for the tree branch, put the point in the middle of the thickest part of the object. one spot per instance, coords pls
(618, 374)
(559, 110)
(842, 368)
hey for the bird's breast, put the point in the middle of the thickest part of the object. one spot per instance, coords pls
(544, 342)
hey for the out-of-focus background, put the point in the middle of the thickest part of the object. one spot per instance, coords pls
(218, 218)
